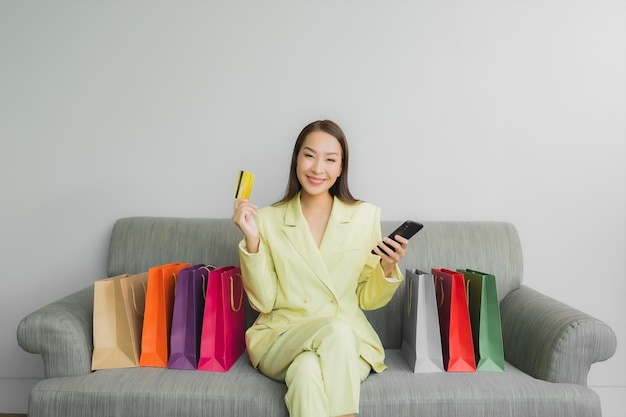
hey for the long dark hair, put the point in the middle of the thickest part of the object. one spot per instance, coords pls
(340, 188)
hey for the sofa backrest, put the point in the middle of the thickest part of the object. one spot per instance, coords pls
(138, 243)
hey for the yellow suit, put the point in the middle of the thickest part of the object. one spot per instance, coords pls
(290, 279)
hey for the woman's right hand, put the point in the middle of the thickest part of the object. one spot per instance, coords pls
(243, 217)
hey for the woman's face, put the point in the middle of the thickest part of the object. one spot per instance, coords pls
(319, 163)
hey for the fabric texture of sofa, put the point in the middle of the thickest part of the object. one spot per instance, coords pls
(549, 347)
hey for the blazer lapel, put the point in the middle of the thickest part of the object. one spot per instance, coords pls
(337, 231)
(297, 231)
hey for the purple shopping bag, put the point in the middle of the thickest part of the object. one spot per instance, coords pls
(189, 303)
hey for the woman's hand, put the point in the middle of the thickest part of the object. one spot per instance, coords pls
(388, 258)
(243, 217)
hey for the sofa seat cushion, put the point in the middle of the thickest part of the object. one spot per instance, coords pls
(481, 394)
(243, 391)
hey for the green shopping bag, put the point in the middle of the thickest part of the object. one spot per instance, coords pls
(484, 310)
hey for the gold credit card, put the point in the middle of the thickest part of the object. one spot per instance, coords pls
(244, 185)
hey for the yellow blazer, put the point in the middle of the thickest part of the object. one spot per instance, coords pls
(290, 279)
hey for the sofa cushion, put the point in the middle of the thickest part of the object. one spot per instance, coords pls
(243, 391)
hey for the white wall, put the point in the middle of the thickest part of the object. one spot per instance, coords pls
(456, 110)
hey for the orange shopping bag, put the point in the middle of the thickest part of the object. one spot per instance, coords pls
(157, 318)
(224, 324)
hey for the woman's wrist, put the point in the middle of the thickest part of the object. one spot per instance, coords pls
(252, 244)
(388, 270)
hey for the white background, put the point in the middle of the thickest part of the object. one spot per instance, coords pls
(455, 110)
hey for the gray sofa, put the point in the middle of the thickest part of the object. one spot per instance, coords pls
(549, 347)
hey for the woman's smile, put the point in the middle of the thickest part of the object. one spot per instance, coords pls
(316, 181)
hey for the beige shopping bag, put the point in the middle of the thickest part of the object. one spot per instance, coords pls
(118, 308)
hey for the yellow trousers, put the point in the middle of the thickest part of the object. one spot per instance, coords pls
(320, 363)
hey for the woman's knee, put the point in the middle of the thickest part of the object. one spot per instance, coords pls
(305, 366)
(338, 333)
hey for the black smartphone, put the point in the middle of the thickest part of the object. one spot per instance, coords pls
(407, 230)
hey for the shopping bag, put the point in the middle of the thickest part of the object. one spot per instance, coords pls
(421, 339)
(484, 311)
(224, 321)
(187, 316)
(118, 305)
(456, 331)
(158, 314)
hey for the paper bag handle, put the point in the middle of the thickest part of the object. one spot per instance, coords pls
(232, 296)
(132, 289)
(209, 268)
(410, 293)
(442, 292)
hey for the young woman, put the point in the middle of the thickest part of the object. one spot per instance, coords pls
(308, 269)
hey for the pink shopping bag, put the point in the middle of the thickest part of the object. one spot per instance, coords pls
(223, 327)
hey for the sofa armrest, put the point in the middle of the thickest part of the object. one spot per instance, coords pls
(61, 333)
(550, 340)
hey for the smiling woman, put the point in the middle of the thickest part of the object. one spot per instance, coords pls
(312, 333)
(319, 129)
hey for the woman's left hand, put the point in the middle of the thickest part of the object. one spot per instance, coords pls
(388, 257)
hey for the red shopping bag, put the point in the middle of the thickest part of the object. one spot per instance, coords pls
(158, 314)
(224, 323)
(454, 321)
